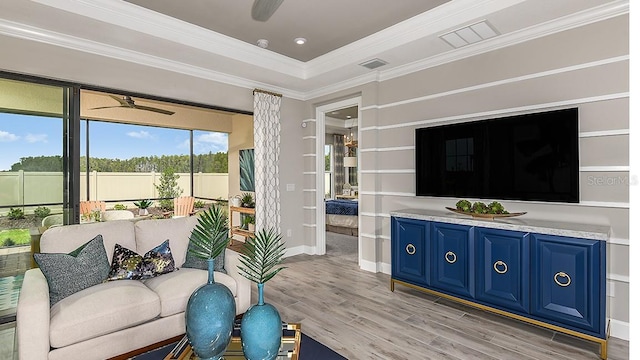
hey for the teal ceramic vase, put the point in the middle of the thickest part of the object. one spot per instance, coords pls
(261, 330)
(209, 318)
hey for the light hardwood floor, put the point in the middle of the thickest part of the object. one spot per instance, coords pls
(354, 312)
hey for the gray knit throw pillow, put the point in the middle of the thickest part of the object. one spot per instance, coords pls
(67, 274)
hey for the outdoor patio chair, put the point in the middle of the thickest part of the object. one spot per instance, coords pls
(182, 206)
(52, 220)
(89, 206)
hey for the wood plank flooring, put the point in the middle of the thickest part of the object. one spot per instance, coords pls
(353, 312)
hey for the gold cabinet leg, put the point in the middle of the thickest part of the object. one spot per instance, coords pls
(391, 285)
(603, 349)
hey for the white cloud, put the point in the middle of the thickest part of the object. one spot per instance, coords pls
(140, 134)
(212, 141)
(34, 138)
(7, 136)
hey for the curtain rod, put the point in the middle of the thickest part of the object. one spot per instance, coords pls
(266, 92)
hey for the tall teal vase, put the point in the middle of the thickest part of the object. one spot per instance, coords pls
(209, 318)
(261, 330)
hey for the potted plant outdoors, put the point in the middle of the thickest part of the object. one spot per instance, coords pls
(211, 309)
(247, 200)
(143, 205)
(261, 326)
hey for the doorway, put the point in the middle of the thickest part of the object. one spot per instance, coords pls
(340, 119)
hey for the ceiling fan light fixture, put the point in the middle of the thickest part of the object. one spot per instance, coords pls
(300, 40)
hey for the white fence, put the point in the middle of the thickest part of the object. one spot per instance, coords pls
(20, 187)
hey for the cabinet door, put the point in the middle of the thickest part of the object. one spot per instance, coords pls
(452, 264)
(410, 250)
(568, 281)
(502, 271)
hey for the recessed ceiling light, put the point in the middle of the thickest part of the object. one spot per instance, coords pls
(348, 116)
(300, 41)
(263, 43)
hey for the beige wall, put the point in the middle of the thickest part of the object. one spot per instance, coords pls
(584, 67)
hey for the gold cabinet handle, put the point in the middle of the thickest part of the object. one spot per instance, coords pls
(451, 257)
(410, 249)
(502, 264)
(562, 274)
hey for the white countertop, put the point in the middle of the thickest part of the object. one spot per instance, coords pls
(519, 223)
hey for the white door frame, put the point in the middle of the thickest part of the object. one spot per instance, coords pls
(321, 241)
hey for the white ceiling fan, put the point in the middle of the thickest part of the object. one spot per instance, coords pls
(128, 103)
(263, 9)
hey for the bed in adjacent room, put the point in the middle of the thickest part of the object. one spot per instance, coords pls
(342, 216)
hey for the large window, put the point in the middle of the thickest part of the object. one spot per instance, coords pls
(34, 176)
(128, 162)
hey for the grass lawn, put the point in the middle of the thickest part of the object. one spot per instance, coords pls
(19, 236)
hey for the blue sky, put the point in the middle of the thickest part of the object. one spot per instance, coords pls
(22, 136)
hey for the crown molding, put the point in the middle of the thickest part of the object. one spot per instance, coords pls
(133, 17)
(428, 23)
(127, 15)
(586, 17)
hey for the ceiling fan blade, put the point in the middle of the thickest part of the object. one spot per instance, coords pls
(157, 110)
(106, 107)
(122, 100)
(263, 9)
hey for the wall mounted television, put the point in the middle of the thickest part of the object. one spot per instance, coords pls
(532, 157)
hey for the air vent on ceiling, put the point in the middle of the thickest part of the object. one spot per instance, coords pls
(469, 34)
(374, 63)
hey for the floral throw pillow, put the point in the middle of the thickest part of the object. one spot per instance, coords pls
(129, 265)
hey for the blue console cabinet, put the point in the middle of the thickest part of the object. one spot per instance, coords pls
(502, 259)
(451, 261)
(568, 278)
(553, 281)
(411, 251)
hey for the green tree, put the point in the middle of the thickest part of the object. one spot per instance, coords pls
(168, 188)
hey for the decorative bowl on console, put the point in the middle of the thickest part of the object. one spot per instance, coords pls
(479, 209)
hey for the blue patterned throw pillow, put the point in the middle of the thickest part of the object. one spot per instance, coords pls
(67, 274)
(127, 264)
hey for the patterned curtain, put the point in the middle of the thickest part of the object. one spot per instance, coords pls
(338, 163)
(266, 139)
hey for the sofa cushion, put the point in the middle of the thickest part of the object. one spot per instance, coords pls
(129, 265)
(174, 289)
(148, 233)
(101, 309)
(69, 273)
(63, 239)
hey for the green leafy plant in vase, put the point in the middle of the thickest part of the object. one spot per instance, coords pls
(211, 309)
(261, 327)
(143, 205)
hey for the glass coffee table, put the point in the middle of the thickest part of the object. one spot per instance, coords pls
(290, 348)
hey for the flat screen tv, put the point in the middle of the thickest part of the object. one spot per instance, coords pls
(530, 157)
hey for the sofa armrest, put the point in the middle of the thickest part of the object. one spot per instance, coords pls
(32, 317)
(243, 290)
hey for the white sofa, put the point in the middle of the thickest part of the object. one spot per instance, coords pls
(115, 317)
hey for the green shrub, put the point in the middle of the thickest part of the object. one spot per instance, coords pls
(168, 188)
(8, 242)
(119, 207)
(42, 212)
(15, 214)
(199, 204)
